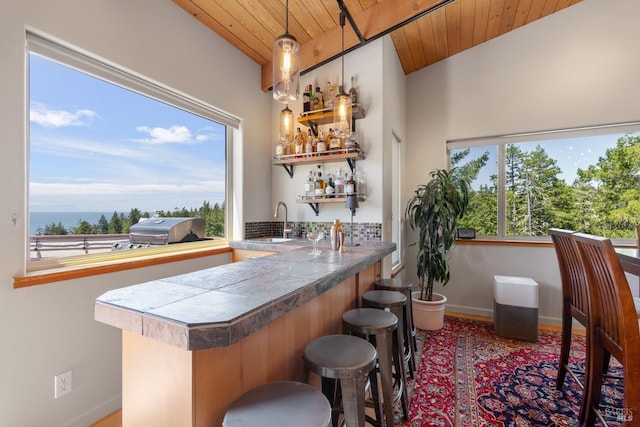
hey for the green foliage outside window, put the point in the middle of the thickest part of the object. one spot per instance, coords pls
(604, 199)
(119, 223)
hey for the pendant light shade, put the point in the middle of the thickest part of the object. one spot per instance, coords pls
(286, 125)
(342, 112)
(286, 66)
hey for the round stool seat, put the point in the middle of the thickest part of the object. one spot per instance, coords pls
(395, 284)
(280, 404)
(340, 356)
(382, 299)
(370, 320)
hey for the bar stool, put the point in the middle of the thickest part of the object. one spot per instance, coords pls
(280, 404)
(348, 359)
(381, 328)
(396, 302)
(399, 285)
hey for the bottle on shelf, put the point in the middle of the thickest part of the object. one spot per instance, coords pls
(317, 99)
(351, 142)
(309, 186)
(350, 184)
(330, 190)
(311, 100)
(320, 184)
(329, 95)
(335, 143)
(339, 183)
(298, 147)
(334, 234)
(321, 145)
(306, 101)
(353, 92)
(280, 148)
(308, 147)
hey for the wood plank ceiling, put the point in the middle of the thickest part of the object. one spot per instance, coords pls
(423, 31)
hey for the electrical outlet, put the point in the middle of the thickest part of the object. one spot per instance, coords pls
(63, 384)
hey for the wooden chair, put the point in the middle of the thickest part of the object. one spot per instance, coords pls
(613, 329)
(575, 298)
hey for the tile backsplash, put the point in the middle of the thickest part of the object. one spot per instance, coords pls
(363, 231)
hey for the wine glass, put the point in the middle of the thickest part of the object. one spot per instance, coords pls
(315, 237)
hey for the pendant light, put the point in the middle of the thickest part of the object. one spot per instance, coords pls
(286, 125)
(342, 106)
(286, 65)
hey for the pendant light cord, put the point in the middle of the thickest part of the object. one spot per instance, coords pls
(342, 26)
(286, 18)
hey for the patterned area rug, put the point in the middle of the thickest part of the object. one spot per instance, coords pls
(468, 376)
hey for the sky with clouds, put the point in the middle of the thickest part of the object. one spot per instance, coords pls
(95, 147)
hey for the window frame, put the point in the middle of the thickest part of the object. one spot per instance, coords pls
(501, 141)
(62, 268)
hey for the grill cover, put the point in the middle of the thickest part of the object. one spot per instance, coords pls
(162, 231)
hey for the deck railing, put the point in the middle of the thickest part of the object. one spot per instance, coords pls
(73, 244)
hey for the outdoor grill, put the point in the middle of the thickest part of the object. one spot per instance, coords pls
(163, 231)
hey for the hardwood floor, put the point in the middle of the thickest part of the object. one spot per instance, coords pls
(112, 420)
(115, 419)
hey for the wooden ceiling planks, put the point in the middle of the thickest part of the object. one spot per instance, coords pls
(252, 26)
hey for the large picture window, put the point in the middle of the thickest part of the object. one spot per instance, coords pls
(109, 150)
(585, 179)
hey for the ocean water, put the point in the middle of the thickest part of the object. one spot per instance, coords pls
(67, 219)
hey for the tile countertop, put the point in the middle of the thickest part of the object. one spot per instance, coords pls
(219, 306)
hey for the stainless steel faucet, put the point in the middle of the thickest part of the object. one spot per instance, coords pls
(286, 221)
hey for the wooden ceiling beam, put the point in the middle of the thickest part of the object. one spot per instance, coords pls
(371, 22)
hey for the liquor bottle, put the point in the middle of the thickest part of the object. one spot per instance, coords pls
(317, 99)
(329, 95)
(306, 101)
(353, 92)
(320, 184)
(308, 148)
(331, 188)
(280, 149)
(309, 187)
(321, 146)
(298, 146)
(339, 183)
(311, 100)
(335, 143)
(350, 184)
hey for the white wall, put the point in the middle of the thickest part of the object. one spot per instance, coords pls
(49, 329)
(575, 67)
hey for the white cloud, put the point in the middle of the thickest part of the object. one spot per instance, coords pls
(51, 118)
(173, 135)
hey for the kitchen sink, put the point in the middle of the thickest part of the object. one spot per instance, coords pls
(271, 239)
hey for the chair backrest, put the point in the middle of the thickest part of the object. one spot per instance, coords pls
(572, 272)
(613, 311)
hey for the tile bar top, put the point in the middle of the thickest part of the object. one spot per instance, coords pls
(219, 306)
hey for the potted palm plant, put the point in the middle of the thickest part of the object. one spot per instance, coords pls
(433, 211)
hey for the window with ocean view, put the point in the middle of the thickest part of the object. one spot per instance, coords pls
(116, 161)
(585, 179)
